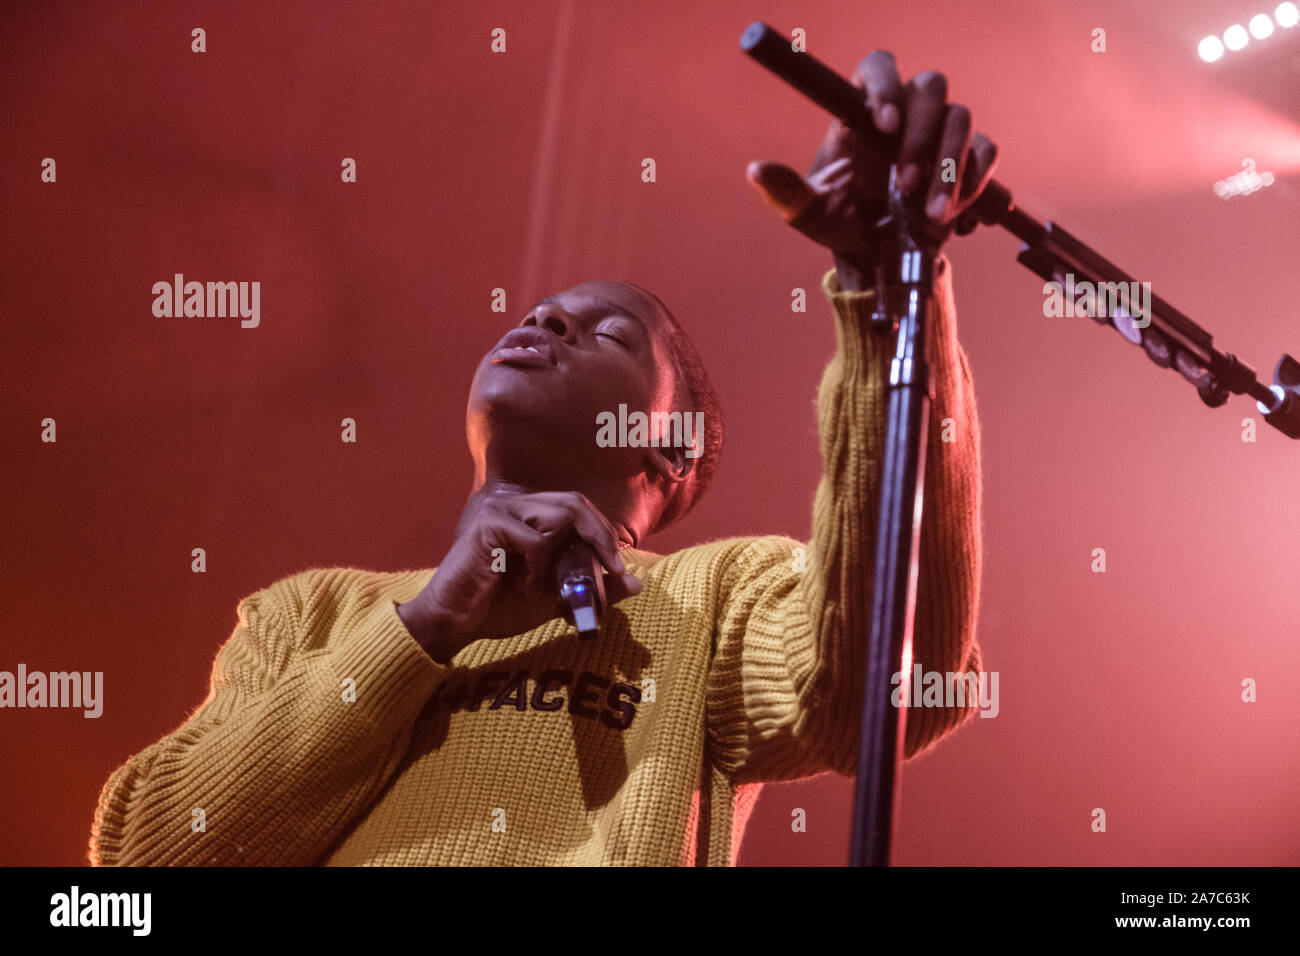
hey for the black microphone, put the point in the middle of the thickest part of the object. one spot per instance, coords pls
(580, 583)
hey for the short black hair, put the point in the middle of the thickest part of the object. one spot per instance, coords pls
(693, 391)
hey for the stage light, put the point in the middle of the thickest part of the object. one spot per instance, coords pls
(1287, 14)
(1243, 183)
(1235, 37)
(1210, 49)
(1261, 27)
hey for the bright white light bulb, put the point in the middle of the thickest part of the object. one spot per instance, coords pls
(1261, 26)
(1210, 49)
(1235, 37)
(1287, 14)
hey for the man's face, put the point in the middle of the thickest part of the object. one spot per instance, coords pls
(576, 354)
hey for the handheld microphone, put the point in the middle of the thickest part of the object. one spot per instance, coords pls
(580, 583)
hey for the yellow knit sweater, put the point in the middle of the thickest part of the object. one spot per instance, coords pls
(331, 737)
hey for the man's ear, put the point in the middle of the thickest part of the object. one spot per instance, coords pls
(671, 464)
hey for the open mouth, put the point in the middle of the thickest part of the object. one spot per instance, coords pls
(527, 345)
(521, 355)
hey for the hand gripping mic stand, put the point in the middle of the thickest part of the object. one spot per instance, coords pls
(1169, 338)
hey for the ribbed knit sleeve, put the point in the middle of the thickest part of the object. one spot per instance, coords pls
(785, 688)
(277, 759)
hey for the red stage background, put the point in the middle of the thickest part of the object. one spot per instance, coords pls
(522, 170)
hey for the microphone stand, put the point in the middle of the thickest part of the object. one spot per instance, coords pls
(1169, 338)
(898, 538)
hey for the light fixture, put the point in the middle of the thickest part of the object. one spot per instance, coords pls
(1261, 27)
(1286, 14)
(1210, 49)
(1235, 37)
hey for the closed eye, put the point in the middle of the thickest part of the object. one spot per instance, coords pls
(615, 338)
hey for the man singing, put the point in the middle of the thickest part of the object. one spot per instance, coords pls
(452, 716)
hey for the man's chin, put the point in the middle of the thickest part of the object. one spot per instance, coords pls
(509, 385)
(501, 407)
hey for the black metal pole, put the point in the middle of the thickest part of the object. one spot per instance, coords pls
(893, 595)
